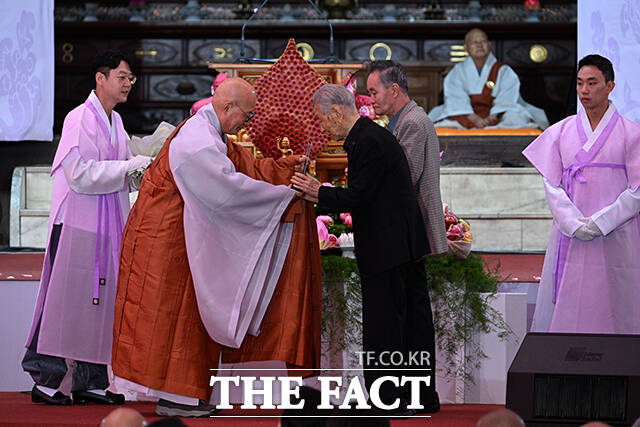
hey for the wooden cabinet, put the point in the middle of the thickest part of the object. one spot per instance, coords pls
(170, 59)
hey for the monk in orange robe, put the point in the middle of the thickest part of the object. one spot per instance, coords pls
(170, 319)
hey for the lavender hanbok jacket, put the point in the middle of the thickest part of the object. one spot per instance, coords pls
(76, 298)
(590, 286)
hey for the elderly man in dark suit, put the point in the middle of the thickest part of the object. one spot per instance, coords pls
(390, 244)
(388, 86)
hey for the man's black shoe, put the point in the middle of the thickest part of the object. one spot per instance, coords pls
(38, 396)
(400, 413)
(82, 397)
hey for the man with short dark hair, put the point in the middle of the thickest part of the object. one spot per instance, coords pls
(73, 316)
(390, 240)
(389, 91)
(482, 92)
(590, 163)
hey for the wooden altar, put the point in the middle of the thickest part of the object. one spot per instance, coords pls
(330, 164)
(466, 147)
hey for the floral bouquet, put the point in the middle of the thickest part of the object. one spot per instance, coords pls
(329, 228)
(532, 5)
(458, 234)
(364, 104)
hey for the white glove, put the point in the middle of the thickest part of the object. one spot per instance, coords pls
(588, 231)
(138, 162)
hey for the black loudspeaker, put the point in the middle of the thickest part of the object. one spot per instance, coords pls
(569, 379)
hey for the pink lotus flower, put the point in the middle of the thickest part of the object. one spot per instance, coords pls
(455, 232)
(328, 184)
(367, 111)
(327, 241)
(326, 219)
(346, 219)
(532, 4)
(218, 81)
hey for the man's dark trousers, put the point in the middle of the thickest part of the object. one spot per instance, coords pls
(398, 330)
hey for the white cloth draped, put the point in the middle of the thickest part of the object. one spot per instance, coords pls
(26, 70)
(235, 241)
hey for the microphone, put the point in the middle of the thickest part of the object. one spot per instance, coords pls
(242, 58)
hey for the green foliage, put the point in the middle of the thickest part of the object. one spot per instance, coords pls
(336, 268)
(470, 271)
(337, 228)
(460, 291)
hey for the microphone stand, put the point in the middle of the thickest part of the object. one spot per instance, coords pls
(242, 58)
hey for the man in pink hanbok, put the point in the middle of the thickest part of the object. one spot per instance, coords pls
(590, 164)
(73, 316)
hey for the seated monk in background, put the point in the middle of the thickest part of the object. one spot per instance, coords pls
(482, 92)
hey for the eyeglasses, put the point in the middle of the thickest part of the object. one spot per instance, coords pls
(122, 79)
(132, 79)
(248, 116)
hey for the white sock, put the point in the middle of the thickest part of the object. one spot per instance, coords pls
(97, 391)
(47, 390)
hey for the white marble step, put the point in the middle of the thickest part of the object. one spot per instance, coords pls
(506, 207)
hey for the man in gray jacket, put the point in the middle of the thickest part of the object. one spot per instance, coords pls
(388, 87)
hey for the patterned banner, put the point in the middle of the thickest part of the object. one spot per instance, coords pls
(26, 70)
(612, 29)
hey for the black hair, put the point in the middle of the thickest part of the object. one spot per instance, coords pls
(601, 63)
(107, 61)
(390, 72)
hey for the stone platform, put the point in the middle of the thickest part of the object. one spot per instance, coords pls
(505, 206)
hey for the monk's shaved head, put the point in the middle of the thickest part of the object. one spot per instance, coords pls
(235, 90)
(501, 418)
(233, 102)
(123, 417)
(474, 32)
(477, 45)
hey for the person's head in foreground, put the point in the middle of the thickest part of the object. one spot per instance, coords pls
(335, 109)
(501, 418)
(594, 82)
(233, 102)
(123, 417)
(310, 416)
(596, 424)
(388, 87)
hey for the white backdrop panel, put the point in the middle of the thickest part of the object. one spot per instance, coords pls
(612, 29)
(26, 70)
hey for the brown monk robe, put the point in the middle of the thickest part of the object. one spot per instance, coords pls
(290, 330)
(482, 102)
(169, 323)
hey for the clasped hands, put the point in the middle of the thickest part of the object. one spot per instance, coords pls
(306, 186)
(588, 230)
(479, 121)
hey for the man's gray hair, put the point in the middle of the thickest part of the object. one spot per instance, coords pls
(390, 72)
(331, 94)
